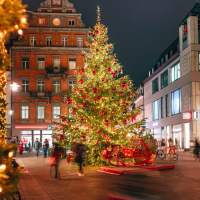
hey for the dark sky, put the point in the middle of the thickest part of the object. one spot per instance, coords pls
(139, 29)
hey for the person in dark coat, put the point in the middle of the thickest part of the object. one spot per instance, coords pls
(37, 146)
(45, 147)
(196, 149)
(57, 155)
(80, 154)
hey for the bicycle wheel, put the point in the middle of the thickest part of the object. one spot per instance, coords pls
(161, 154)
(175, 157)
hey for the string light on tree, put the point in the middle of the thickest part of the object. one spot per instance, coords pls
(101, 99)
(13, 19)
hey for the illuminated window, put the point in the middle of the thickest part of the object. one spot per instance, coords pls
(175, 72)
(176, 102)
(40, 112)
(64, 41)
(25, 63)
(56, 61)
(72, 63)
(40, 85)
(56, 111)
(32, 40)
(79, 41)
(24, 112)
(56, 86)
(71, 83)
(41, 21)
(25, 86)
(41, 63)
(156, 109)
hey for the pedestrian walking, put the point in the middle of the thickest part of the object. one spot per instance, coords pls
(80, 155)
(196, 149)
(45, 147)
(21, 148)
(37, 146)
(57, 153)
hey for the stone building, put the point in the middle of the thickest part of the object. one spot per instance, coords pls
(44, 63)
(172, 90)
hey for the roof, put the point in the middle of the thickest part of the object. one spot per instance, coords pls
(195, 11)
(57, 6)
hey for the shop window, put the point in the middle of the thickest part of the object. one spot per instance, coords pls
(164, 79)
(176, 102)
(155, 86)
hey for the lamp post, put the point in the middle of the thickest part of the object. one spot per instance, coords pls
(13, 88)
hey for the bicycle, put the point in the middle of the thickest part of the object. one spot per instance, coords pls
(167, 153)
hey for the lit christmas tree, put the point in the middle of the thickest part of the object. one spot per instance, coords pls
(100, 104)
(12, 19)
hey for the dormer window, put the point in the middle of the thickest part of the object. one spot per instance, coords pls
(41, 21)
(56, 2)
(71, 22)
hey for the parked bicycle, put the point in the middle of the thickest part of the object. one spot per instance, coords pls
(167, 153)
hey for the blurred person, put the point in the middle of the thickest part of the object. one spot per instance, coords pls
(45, 147)
(196, 149)
(37, 146)
(57, 153)
(80, 154)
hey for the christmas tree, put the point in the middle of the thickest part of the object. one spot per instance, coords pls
(101, 103)
(12, 19)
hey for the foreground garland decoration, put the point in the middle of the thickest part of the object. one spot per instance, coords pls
(101, 103)
(13, 19)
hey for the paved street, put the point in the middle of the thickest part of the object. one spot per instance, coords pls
(181, 183)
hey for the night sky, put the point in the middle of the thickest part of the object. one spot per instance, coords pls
(139, 29)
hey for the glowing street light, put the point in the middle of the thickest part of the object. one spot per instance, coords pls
(14, 86)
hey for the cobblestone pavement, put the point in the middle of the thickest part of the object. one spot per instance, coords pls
(182, 183)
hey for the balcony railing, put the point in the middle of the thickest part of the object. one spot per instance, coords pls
(36, 94)
(56, 71)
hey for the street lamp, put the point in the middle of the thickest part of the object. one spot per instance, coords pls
(14, 88)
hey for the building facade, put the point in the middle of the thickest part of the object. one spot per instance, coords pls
(44, 64)
(172, 90)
